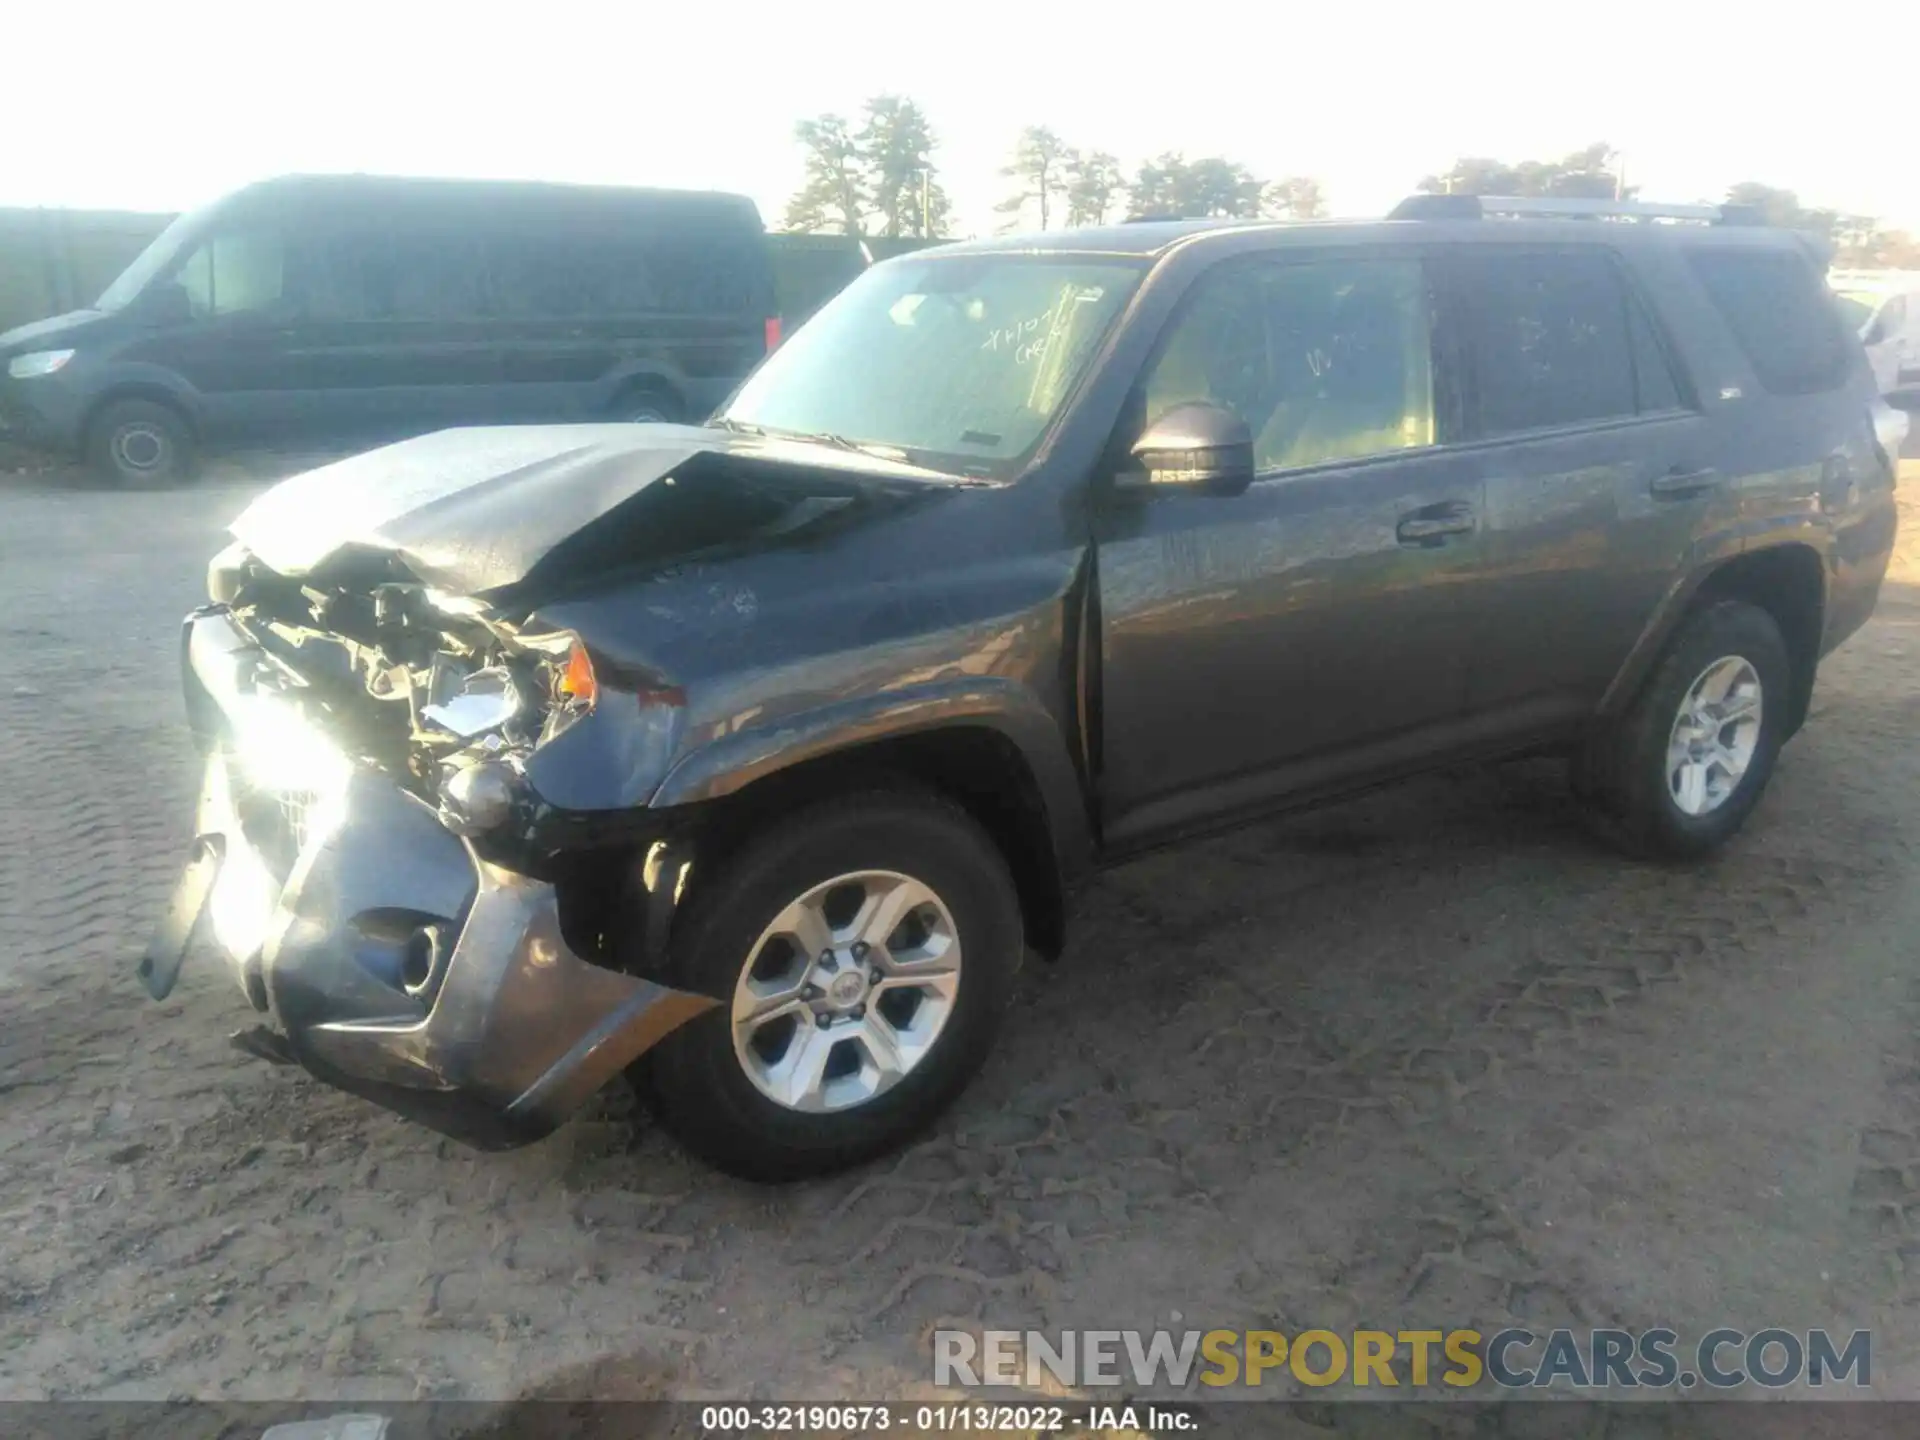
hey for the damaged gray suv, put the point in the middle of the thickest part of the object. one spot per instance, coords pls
(750, 758)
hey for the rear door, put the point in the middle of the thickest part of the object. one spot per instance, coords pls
(1598, 473)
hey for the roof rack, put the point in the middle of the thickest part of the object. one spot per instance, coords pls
(1481, 207)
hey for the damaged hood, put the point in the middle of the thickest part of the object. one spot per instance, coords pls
(477, 510)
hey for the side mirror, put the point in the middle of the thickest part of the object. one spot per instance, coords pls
(1195, 446)
(166, 304)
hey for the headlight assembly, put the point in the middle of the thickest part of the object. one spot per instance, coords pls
(37, 362)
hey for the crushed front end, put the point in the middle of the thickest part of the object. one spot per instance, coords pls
(368, 850)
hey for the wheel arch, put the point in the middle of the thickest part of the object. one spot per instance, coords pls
(643, 375)
(1788, 580)
(1022, 791)
(153, 391)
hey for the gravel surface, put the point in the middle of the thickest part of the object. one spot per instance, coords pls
(1431, 1058)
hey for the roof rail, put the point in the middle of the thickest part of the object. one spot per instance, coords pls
(1480, 207)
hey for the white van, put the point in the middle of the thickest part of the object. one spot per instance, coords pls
(1883, 306)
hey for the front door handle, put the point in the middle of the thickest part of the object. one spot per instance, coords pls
(1425, 527)
(1677, 483)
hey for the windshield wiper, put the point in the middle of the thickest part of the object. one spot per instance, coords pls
(738, 427)
(820, 437)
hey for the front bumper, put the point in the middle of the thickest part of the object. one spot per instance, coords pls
(390, 959)
(43, 412)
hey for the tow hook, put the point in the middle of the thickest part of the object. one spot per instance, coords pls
(263, 1044)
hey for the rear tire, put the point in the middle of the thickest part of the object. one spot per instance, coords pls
(874, 1043)
(1677, 774)
(141, 445)
(649, 404)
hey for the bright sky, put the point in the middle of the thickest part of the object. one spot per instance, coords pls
(167, 105)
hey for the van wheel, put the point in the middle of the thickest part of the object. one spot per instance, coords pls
(863, 951)
(1677, 775)
(649, 404)
(140, 444)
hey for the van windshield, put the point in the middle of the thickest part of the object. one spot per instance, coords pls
(159, 254)
(959, 361)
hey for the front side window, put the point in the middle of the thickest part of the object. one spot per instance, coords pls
(1324, 361)
(960, 362)
(1550, 340)
(235, 273)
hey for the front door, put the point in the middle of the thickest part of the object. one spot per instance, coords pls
(235, 348)
(1315, 627)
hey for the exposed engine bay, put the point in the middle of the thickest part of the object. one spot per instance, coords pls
(395, 592)
(428, 688)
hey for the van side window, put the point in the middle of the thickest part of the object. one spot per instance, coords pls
(231, 274)
(1325, 361)
(428, 275)
(698, 272)
(1779, 312)
(1548, 336)
(568, 276)
(337, 274)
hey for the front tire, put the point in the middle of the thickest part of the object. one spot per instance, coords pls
(1677, 775)
(863, 951)
(141, 445)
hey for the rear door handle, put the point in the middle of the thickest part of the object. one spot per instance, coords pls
(1677, 483)
(1436, 522)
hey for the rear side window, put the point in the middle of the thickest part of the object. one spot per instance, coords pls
(1652, 374)
(1550, 340)
(1779, 312)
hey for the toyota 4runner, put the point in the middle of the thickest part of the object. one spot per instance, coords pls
(750, 758)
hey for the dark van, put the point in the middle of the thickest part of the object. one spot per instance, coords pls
(317, 308)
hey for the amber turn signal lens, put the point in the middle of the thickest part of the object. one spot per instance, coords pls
(576, 681)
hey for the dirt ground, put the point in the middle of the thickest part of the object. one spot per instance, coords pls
(1432, 1058)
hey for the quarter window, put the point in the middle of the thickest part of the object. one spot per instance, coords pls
(1325, 360)
(1779, 312)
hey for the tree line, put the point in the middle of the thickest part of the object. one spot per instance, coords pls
(877, 176)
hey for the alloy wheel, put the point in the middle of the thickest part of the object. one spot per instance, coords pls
(1714, 736)
(846, 992)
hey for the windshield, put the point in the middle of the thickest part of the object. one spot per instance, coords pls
(150, 262)
(1857, 306)
(961, 361)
